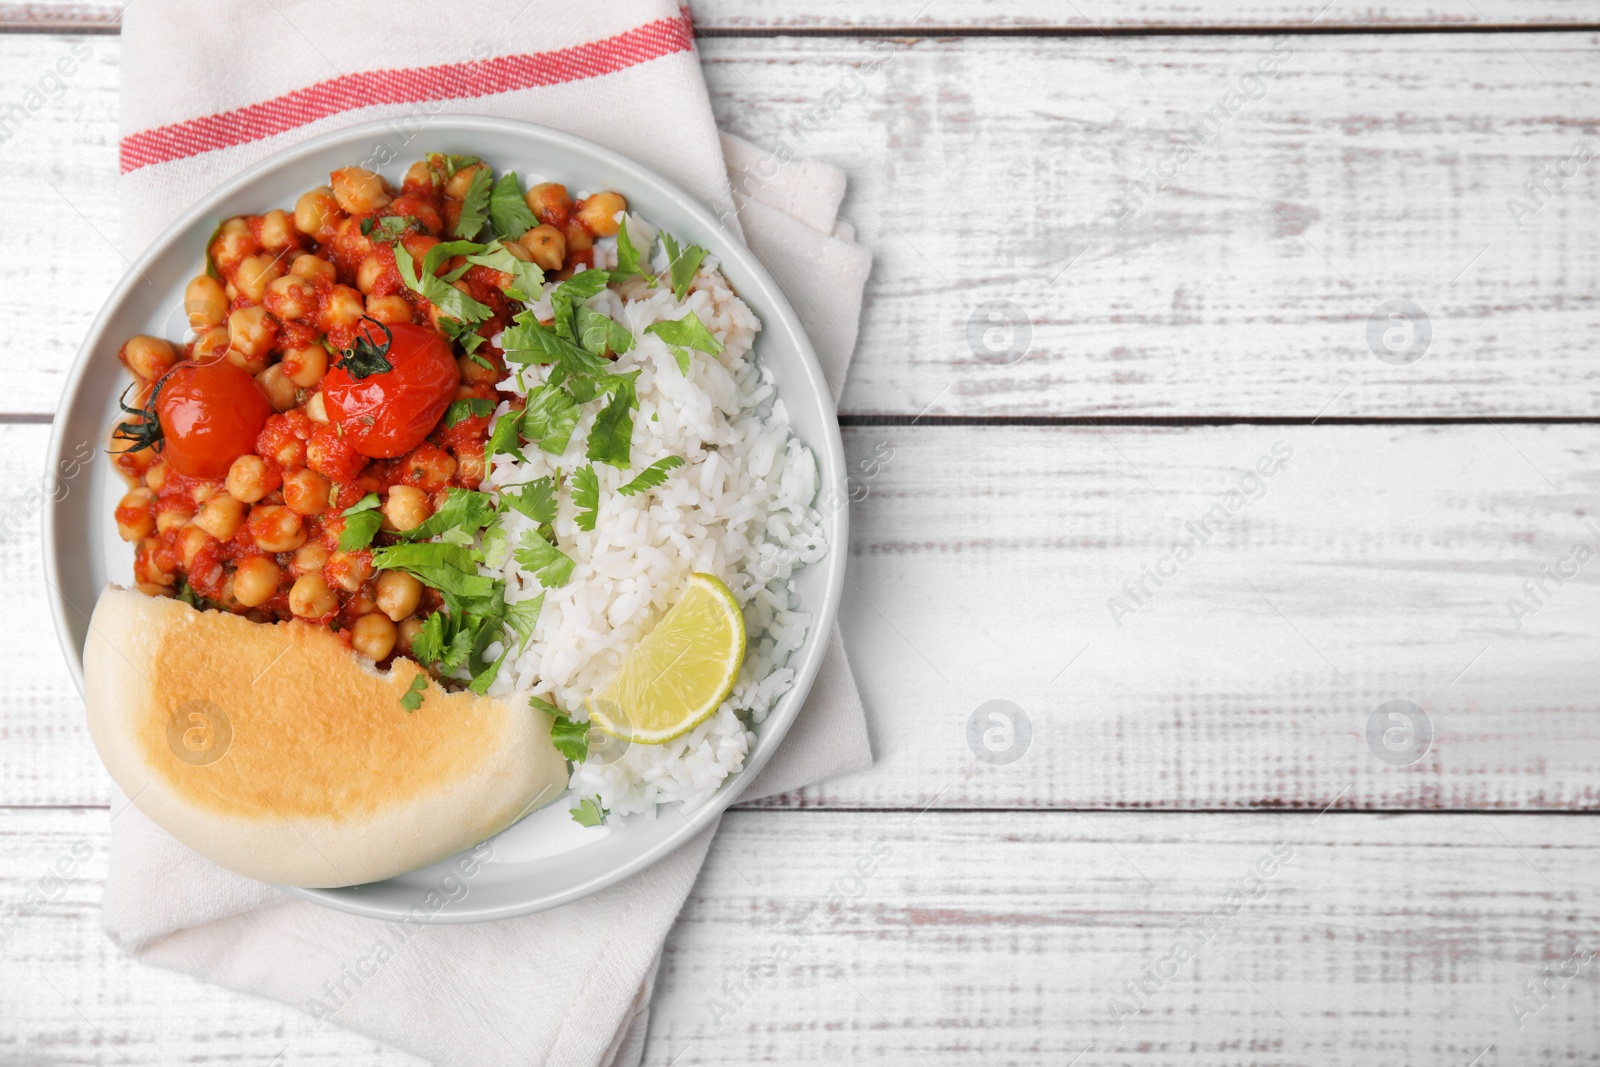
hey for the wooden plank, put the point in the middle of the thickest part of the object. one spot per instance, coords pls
(1375, 168)
(960, 938)
(714, 16)
(1375, 564)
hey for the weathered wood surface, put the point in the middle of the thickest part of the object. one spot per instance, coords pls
(739, 16)
(958, 938)
(1375, 564)
(1245, 287)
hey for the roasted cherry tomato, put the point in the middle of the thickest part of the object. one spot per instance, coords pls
(389, 392)
(209, 414)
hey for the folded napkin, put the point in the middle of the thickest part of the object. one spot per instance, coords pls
(208, 91)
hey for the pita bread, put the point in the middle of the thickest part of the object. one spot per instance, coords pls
(277, 752)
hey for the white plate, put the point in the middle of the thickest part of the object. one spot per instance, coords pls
(534, 866)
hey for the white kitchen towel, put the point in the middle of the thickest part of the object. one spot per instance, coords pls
(208, 91)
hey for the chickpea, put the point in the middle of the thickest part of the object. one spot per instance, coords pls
(309, 557)
(549, 201)
(475, 373)
(344, 308)
(210, 344)
(276, 528)
(313, 269)
(251, 332)
(205, 302)
(233, 243)
(389, 309)
(579, 239)
(191, 542)
(310, 597)
(418, 176)
(429, 466)
(407, 507)
(134, 520)
(276, 231)
(599, 213)
(348, 570)
(254, 274)
(155, 476)
(305, 366)
(369, 272)
(546, 246)
(397, 594)
(359, 190)
(408, 634)
(249, 479)
(145, 569)
(471, 468)
(202, 491)
(256, 581)
(359, 604)
(152, 589)
(373, 636)
(279, 389)
(148, 357)
(221, 516)
(306, 492)
(317, 409)
(291, 297)
(170, 519)
(317, 212)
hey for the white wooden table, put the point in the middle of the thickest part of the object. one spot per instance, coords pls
(1017, 912)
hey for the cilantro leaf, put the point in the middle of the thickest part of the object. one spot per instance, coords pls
(570, 738)
(526, 278)
(441, 641)
(446, 166)
(412, 699)
(388, 229)
(586, 495)
(366, 503)
(468, 408)
(475, 205)
(508, 211)
(549, 564)
(589, 812)
(438, 565)
(528, 341)
(651, 476)
(551, 416)
(506, 438)
(687, 332)
(436, 290)
(485, 676)
(523, 616)
(571, 294)
(359, 529)
(463, 509)
(536, 500)
(628, 257)
(611, 437)
(599, 333)
(681, 263)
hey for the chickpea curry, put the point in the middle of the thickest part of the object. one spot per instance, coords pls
(338, 388)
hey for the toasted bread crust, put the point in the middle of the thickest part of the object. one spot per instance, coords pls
(277, 752)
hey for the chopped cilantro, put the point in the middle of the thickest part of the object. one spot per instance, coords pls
(436, 290)
(467, 408)
(386, 230)
(611, 436)
(412, 699)
(570, 738)
(475, 205)
(522, 616)
(466, 510)
(548, 563)
(446, 567)
(586, 495)
(651, 476)
(536, 500)
(600, 334)
(527, 280)
(589, 812)
(684, 334)
(506, 438)
(628, 257)
(570, 295)
(681, 263)
(551, 416)
(509, 213)
(529, 341)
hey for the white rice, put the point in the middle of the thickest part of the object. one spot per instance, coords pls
(740, 508)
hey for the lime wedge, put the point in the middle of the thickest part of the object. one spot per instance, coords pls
(680, 673)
